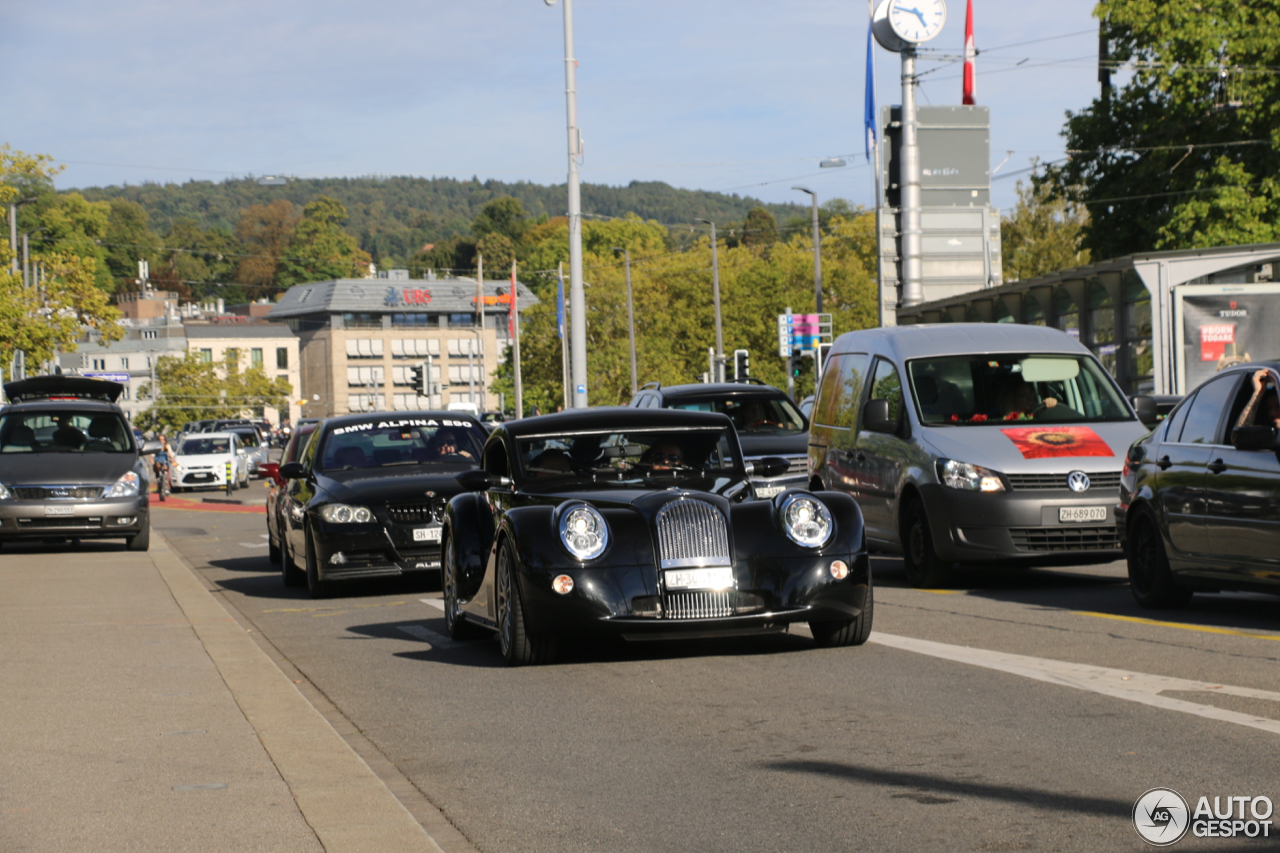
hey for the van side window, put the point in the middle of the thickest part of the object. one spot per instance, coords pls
(840, 394)
(887, 386)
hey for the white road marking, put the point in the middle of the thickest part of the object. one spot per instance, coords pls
(1118, 683)
(426, 635)
(255, 544)
(434, 602)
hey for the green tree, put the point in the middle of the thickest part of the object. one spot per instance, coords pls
(759, 229)
(265, 231)
(505, 216)
(129, 239)
(194, 389)
(498, 252)
(70, 225)
(1043, 234)
(1189, 136)
(320, 249)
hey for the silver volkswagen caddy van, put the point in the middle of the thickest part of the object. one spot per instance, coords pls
(973, 442)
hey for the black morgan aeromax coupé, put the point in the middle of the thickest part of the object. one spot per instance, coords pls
(641, 523)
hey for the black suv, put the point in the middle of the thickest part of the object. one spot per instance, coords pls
(1200, 496)
(70, 467)
(767, 421)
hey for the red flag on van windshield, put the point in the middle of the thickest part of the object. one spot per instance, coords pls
(1045, 442)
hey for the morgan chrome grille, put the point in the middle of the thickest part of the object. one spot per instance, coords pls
(692, 533)
(698, 605)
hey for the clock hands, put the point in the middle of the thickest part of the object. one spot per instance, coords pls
(915, 12)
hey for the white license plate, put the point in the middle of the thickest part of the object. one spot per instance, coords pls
(59, 510)
(1082, 513)
(720, 577)
(426, 534)
(769, 491)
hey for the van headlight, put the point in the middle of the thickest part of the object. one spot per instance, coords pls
(583, 532)
(806, 520)
(5, 494)
(125, 487)
(969, 478)
(343, 514)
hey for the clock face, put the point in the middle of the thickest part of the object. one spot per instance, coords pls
(917, 20)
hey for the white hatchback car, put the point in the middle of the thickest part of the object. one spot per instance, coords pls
(208, 460)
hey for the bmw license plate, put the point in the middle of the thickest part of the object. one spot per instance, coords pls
(720, 577)
(426, 534)
(59, 510)
(1082, 513)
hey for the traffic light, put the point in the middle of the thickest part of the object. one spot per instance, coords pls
(419, 375)
(741, 364)
(795, 364)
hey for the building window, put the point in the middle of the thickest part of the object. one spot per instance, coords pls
(255, 357)
(1068, 312)
(416, 320)
(462, 321)
(206, 356)
(282, 358)
(366, 402)
(362, 321)
(99, 364)
(415, 347)
(461, 374)
(404, 375)
(465, 346)
(364, 348)
(1139, 358)
(124, 363)
(1102, 326)
(124, 393)
(150, 334)
(364, 376)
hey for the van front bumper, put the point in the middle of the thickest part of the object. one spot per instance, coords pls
(1023, 524)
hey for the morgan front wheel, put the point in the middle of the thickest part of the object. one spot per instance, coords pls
(519, 648)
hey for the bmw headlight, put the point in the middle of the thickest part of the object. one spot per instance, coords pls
(806, 520)
(970, 478)
(343, 514)
(583, 532)
(125, 487)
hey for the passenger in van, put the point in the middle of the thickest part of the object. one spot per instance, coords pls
(940, 399)
(1018, 399)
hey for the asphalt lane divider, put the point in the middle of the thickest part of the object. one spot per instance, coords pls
(154, 502)
(1206, 629)
(1139, 687)
(348, 807)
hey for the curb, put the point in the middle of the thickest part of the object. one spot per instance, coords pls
(348, 807)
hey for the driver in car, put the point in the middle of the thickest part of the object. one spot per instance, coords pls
(1018, 400)
(664, 456)
(446, 444)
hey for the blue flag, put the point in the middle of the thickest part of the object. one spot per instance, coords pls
(560, 307)
(869, 101)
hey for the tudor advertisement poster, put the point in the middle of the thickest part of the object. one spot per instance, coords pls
(1225, 328)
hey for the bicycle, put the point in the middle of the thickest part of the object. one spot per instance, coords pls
(162, 479)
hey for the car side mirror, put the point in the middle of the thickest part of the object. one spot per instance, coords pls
(1147, 410)
(769, 466)
(1255, 438)
(477, 480)
(291, 471)
(150, 448)
(876, 417)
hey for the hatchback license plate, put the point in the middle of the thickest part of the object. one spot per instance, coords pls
(426, 534)
(59, 510)
(1082, 513)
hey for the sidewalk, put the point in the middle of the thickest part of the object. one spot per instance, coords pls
(136, 714)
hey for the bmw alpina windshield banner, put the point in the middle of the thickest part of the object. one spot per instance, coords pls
(1049, 442)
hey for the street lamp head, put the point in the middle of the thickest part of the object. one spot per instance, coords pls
(805, 190)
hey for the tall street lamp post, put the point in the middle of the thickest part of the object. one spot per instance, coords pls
(715, 291)
(577, 300)
(631, 320)
(817, 248)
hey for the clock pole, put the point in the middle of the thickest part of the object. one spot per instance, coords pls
(912, 274)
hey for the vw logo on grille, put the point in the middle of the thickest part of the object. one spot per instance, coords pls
(1078, 481)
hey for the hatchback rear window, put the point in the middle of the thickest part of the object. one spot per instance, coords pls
(64, 432)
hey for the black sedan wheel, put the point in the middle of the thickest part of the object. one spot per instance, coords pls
(289, 571)
(1150, 579)
(924, 569)
(848, 632)
(273, 549)
(455, 621)
(317, 587)
(518, 647)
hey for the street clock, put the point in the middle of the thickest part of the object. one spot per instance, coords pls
(902, 24)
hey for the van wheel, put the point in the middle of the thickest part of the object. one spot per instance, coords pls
(924, 569)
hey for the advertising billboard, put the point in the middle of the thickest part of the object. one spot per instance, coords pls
(1220, 325)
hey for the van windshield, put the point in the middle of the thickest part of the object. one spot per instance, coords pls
(966, 390)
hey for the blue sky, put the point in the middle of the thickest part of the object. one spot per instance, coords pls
(742, 96)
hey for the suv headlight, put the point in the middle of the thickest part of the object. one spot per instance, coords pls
(806, 520)
(970, 478)
(583, 532)
(125, 487)
(343, 514)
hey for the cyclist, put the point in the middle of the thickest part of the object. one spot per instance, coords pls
(161, 465)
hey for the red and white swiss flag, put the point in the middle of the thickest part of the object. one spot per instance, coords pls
(969, 55)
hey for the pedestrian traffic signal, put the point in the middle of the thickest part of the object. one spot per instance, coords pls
(795, 364)
(418, 373)
(741, 364)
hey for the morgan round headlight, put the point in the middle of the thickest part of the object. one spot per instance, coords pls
(125, 487)
(806, 520)
(583, 532)
(343, 514)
